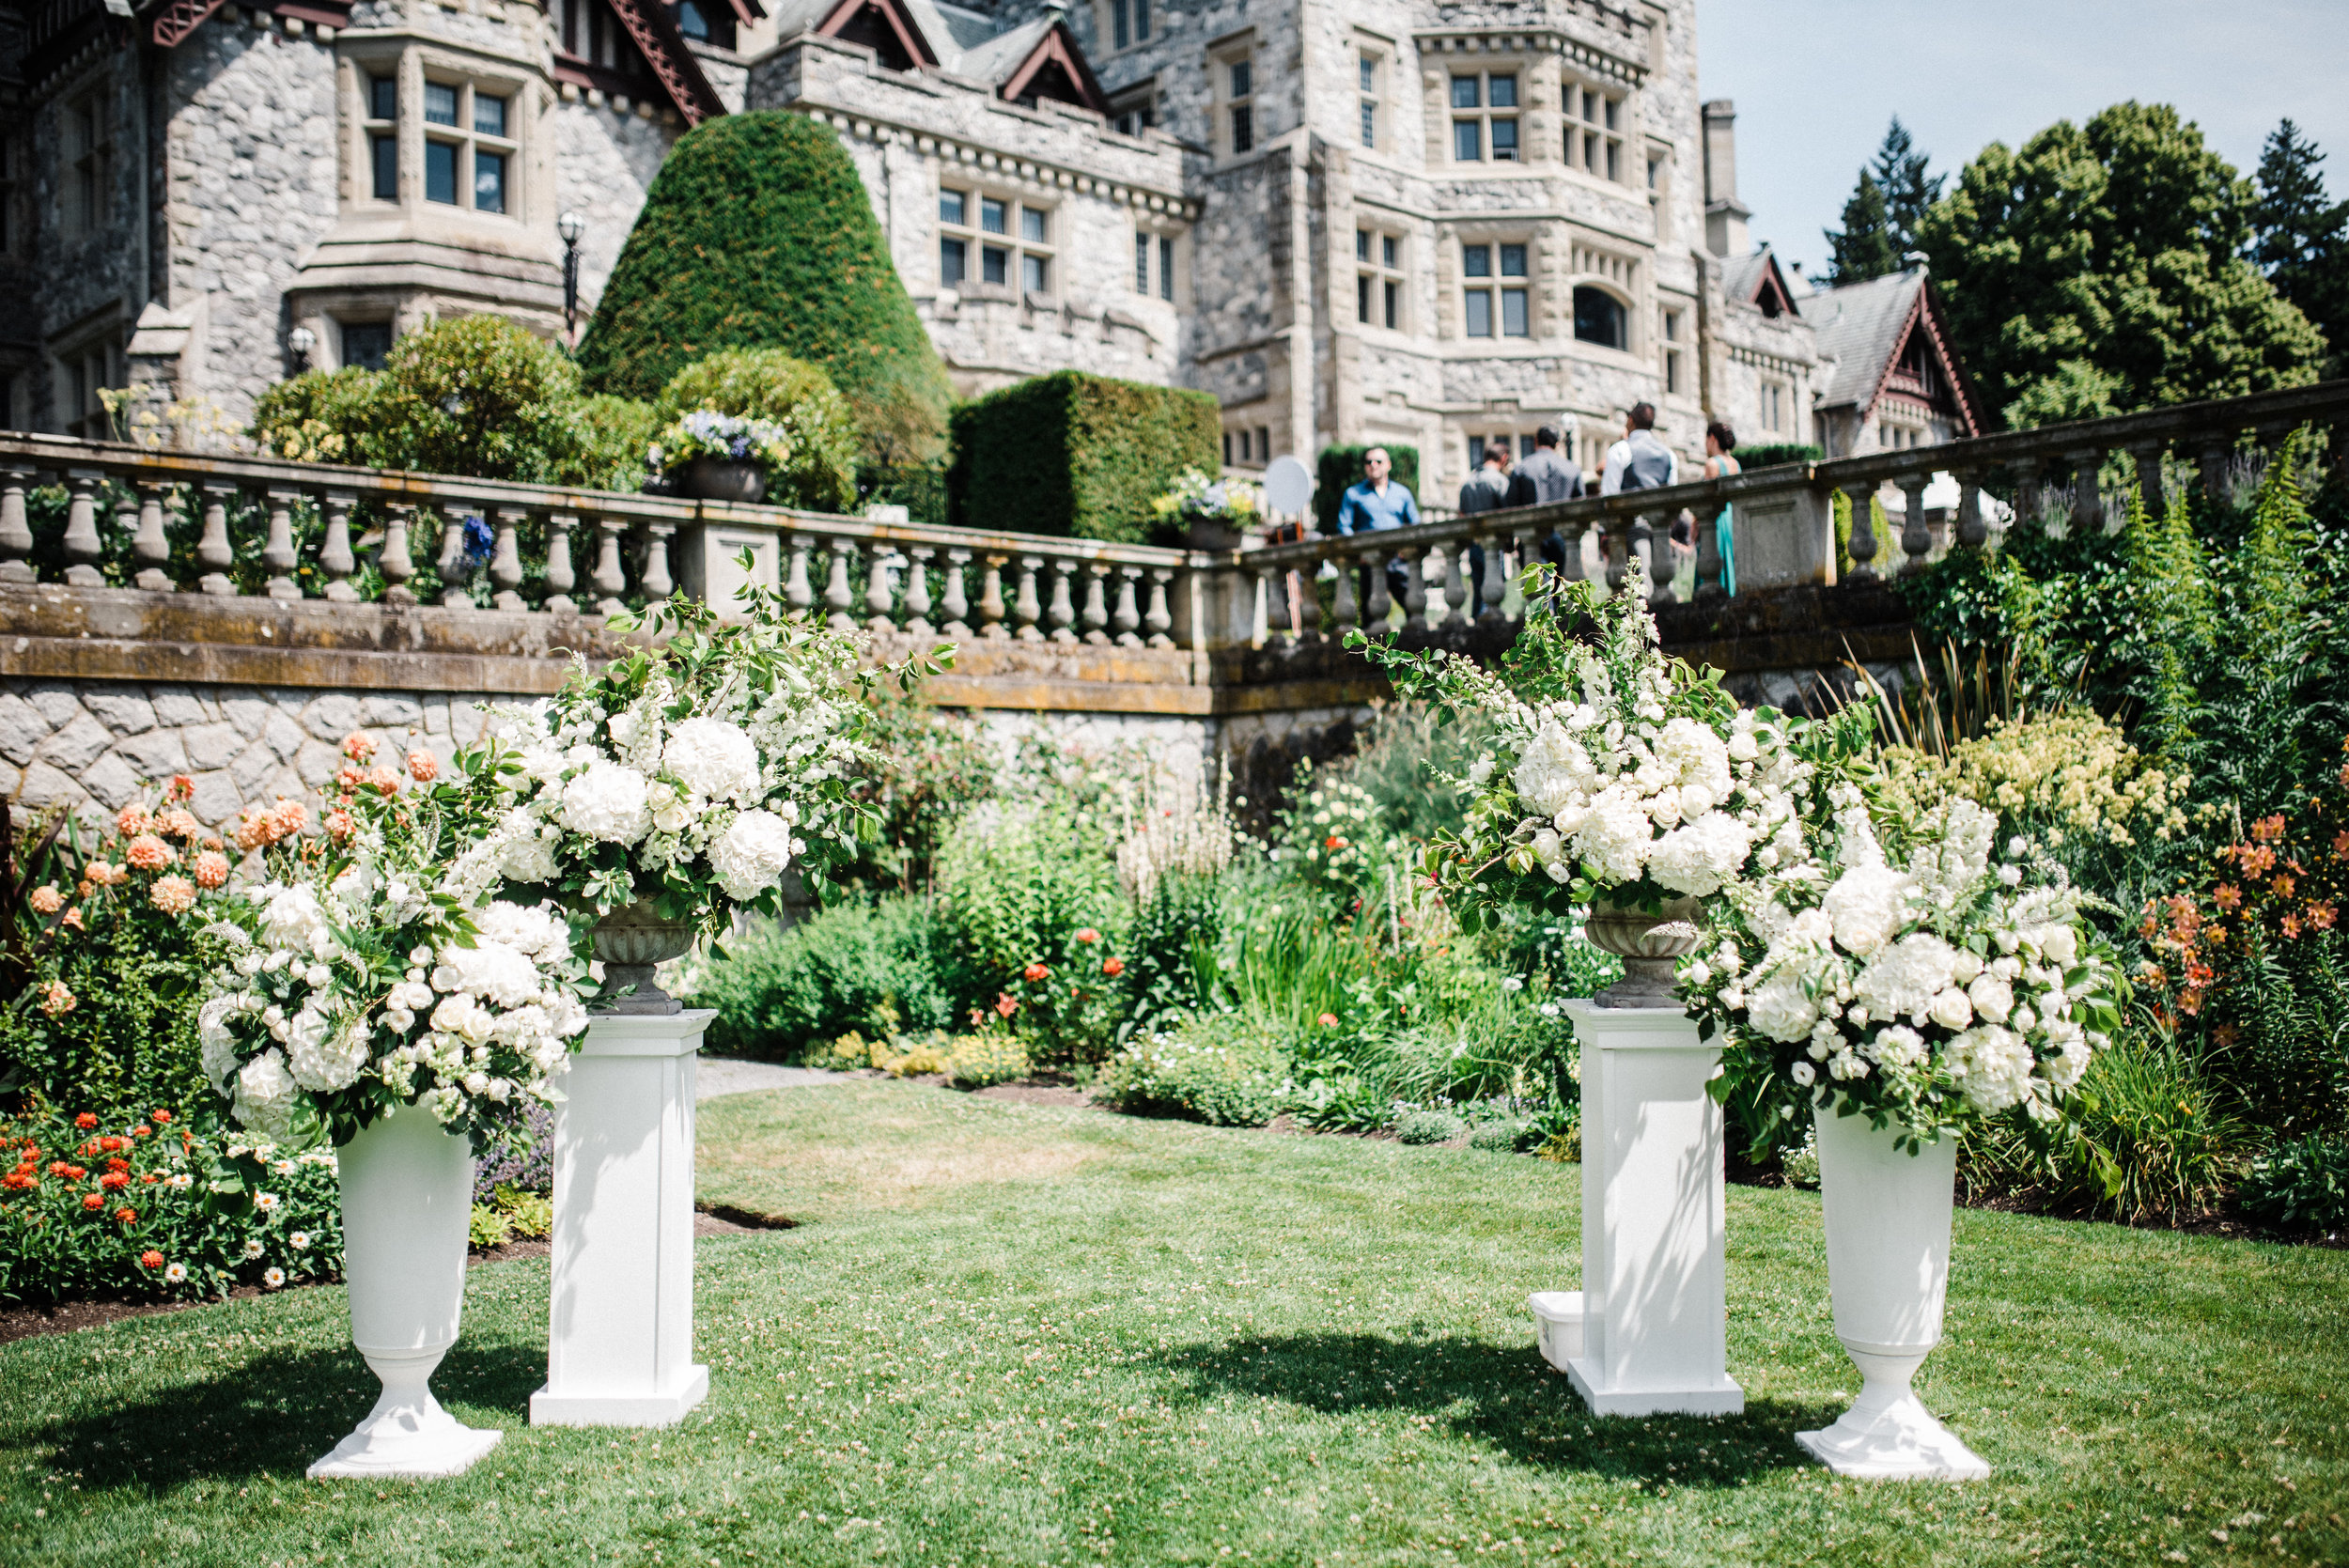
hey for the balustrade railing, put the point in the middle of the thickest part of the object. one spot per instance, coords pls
(126, 517)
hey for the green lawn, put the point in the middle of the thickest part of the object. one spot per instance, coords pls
(1011, 1334)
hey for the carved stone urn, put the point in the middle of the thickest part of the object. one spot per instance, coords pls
(1648, 945)
(736, 479)
(631, 942)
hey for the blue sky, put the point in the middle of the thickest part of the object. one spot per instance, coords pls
(1816, 82)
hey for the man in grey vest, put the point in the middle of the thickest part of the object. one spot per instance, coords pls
(1639, 461)
(1541, 478)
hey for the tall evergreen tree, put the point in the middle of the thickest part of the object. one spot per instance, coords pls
(2300, 239)
(2100, 269)
(1880, 220)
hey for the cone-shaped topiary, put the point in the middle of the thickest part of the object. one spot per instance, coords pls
(757, 234)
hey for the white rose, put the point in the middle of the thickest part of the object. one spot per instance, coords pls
(2060, 943)
(1804, 1073)
(1992, 997)
(1964, 965)
(750, 855)
(1951, 1010)
(1663, 809)
(712, 758)
(607, 802)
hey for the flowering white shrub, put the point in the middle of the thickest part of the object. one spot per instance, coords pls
(1917, 970)
(1617, 772)
(692, 773)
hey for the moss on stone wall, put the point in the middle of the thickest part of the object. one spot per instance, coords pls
(1077, 455)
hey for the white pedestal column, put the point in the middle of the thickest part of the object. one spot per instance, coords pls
(620, 1339)
(1653, 1290)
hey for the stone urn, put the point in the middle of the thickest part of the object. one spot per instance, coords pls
(1888, 1270)
(1204, 532)
(1648, 945)
(631, 942)
(733, 479)
(407, 1192)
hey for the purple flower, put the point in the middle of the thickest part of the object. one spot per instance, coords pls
(479, 542)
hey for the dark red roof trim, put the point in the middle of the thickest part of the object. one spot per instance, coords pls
(910, 38)
(656, 36)
(1057, 48)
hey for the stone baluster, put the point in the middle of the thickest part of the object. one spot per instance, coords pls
(1863, 530)
(797, 594)
(334, 555)
(2087, 501)
(1973, 529)
(1614, 550)
(1497, 547)
(1126, 618)
(956, 603)
(610, 577)
(455, 574)
(1061, 615)
(1379, 612)
(394, 561)
(918, 591)
(1096, 610)
(1435, 564)
(83, 546)
(1916, 538)
(1414, 589)
(16, 527)
(1570, 538)
(1638, 539)
(991, 607)
(2218, 450)
(1662, 563)
(880, 597)
(658, 583)
(151, 547)
(505, 562)
(1710, 586)
(212, 550)
(837, 594)
(561, 579)
(2026, 470)
(1346, 613)
(2145, 456)
(1161, 620)
(278, 554)
(1029, 609)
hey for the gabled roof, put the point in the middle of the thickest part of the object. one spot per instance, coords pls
(1754, 279)
(1869, 328)
(1039, 57)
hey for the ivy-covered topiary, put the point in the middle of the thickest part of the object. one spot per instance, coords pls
(757, 234)
(1077, 455)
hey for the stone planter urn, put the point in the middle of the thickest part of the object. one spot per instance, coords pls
(407, 1189)
(631, 942)
(1888, 1263)
(1201, 531)
(1648, 945)
(735, 479)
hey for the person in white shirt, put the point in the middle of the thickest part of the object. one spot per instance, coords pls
(1639, 461)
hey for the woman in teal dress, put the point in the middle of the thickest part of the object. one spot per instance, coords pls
(1719, 442)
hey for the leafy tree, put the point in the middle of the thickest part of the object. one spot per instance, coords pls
(2099, 269)
(1886, 206)
(758, 234)
(2300, 240)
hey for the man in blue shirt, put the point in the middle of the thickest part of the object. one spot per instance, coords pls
(1374, 505)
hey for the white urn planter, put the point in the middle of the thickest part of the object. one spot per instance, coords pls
(407, 1188)
(1888, 1261)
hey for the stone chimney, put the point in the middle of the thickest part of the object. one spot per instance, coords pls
(1724, 214)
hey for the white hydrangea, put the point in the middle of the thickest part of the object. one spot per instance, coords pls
(1780, 1008)
(1700, 857)
(607, 802)
(1867, 905)
(292, 917)
(265, 1094)
(1555, 772)
(714, 759)
(324, 1056)
(1991, 1065)
(1904, 978)
(538, 932)
(1612, 836)
(489, 969)
(750, 855)
(216, 1045)
(1693, 754)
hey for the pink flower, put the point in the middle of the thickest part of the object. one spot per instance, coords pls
(358, 748)
(149, 853)
(131, 820)
(423, 766)
(173, 895)
(46, 900)
(212, 869)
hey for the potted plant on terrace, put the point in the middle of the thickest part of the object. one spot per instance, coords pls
(1207, 513)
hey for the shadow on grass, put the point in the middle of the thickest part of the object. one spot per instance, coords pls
(1505, 1398)
(271, 1416)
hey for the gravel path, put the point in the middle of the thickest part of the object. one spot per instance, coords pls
(715, 1076)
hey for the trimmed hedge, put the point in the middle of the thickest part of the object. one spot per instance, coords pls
(1077, 455)
(757, 234)
(1339, 468)
(1771, 453)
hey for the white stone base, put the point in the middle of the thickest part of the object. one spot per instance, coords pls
(1558, 1325)
(1888, 1433)
(1724, 1398)
(406, 1435)
(548, 1408)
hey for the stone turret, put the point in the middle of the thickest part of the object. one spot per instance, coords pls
(1724, 214)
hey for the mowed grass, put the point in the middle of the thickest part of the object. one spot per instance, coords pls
(1007, 1334)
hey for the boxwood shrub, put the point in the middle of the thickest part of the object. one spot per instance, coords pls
(1077, 455)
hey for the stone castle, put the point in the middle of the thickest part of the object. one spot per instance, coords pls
(1404, 221)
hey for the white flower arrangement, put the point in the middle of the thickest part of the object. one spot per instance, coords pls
(1619, 773)
(692, 773)
(727, 437)
(1926, 981)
